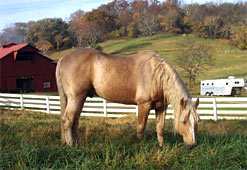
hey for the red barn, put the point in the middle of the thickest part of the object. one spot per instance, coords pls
(24, 69)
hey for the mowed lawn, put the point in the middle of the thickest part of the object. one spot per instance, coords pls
(31, 140)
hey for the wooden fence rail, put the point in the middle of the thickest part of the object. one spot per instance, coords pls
(209, 108)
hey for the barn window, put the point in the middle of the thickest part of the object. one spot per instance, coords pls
(47, 85)
(25, 56)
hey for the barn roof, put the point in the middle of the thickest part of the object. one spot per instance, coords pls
(9, 48)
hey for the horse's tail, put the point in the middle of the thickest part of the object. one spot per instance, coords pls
(63, 97)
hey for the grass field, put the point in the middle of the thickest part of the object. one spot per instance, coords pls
(228, 60)
(32, 141)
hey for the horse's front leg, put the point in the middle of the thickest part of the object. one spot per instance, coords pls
(143, 112)
(160, 123)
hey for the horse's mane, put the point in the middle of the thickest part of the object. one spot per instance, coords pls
(169, 82)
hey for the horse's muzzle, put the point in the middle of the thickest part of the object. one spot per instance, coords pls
(190, 147)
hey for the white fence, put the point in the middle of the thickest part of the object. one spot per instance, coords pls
(209, 108)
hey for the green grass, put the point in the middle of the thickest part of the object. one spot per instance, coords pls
(32, 141)
(228, 60)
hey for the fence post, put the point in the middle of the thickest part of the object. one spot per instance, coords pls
(136, 110)
(105, 107)
(21, 102)
(215, 109)
(47, 105)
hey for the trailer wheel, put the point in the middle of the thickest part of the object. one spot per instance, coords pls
(207, 93)
(234, 92)
(211, 94)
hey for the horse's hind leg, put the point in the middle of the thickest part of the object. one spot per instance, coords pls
(71, 117)
(160, 123)
(143, 112)
(76, 123)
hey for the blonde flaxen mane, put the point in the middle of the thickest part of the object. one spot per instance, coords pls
(166, 78)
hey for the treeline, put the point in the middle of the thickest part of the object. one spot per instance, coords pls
(122, 18)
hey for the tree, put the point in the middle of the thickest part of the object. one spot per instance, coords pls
(132, 30)
(106, 22)
(91, 33)
(15, 33)
(172, 20)
(148, 25)
(75, 26)
(240, 36)
(123, 19)
(211, 27)
(59, 40)
(43, 45)
(139, 7)
(193, 60)
(47, 29)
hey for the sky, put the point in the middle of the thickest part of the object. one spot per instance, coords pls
(12, 11)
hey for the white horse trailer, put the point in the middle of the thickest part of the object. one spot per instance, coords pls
(223, 87)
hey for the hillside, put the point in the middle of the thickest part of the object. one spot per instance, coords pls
(228, 60)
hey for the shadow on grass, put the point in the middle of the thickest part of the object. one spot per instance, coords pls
(132, 47)
(162, 36)
(109, 45)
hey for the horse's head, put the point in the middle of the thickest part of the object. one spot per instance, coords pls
(188, 121)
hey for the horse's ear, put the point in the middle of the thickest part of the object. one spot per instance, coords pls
(184, 115)
(196, 116)
(183, 103)
(196, 103)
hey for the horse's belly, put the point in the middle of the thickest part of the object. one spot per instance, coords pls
(115, 80)
(116, 94)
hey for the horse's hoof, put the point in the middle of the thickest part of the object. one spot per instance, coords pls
(139, 136)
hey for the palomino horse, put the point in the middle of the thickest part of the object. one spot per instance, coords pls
(144, 79)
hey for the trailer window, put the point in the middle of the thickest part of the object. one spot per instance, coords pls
(226, 83)
(236, 82)
(212, 83)
(203, 84)
(207, 83)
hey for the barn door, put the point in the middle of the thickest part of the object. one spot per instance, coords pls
(25, 84)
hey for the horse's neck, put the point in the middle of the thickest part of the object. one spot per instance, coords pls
(174, 90)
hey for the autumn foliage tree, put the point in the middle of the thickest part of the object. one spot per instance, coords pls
(76, 26)
(211, 27)
(102, 19)
(240, 36)
(43, 45)
(47, 30)
(59, 40)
